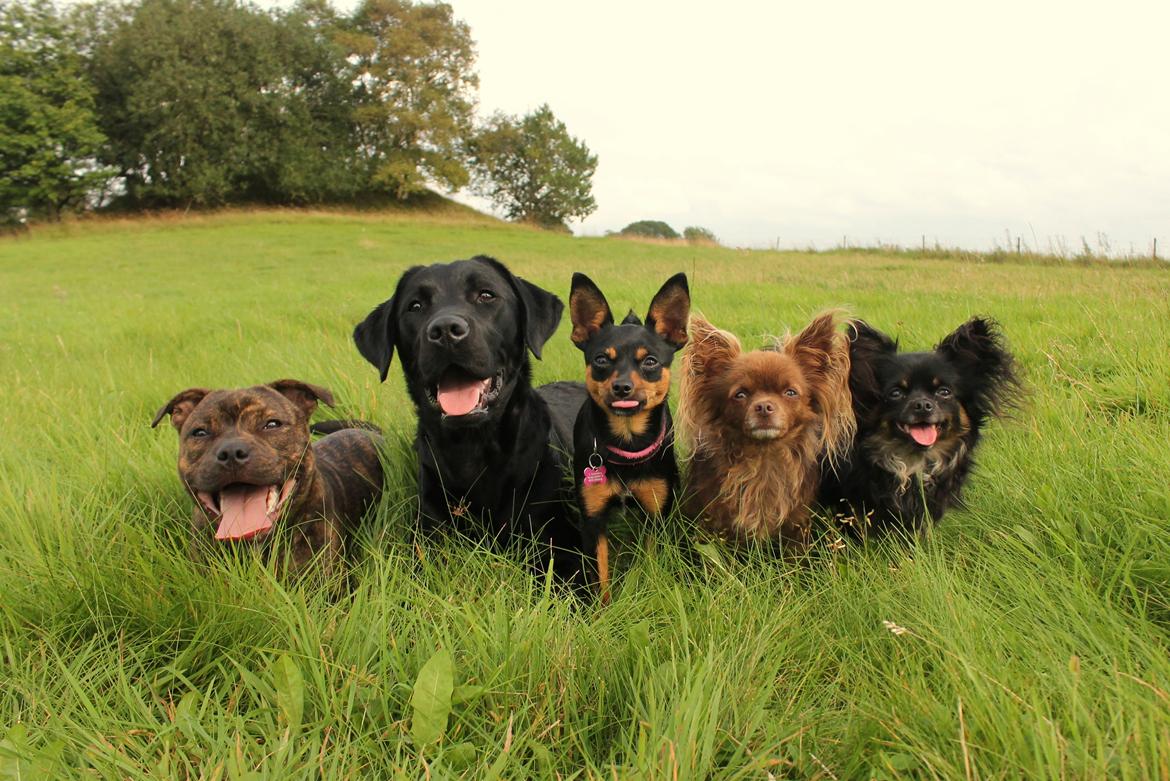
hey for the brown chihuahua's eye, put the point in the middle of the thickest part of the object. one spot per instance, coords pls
(740, 395)
(792, 393)
(274, 423)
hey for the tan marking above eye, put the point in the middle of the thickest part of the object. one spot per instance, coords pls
(612, 353)
(641, 353)
(935, 382)
(904, 384)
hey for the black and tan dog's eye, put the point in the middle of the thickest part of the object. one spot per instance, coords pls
(199, 433)
(274, 423)
(485, 296)
(602, 362)
(943, 392)
(649, 362)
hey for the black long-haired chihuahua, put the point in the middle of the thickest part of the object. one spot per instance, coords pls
(623, 441)
(919, 417)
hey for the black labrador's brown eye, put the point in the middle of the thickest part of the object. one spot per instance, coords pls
(485, 296)
(414, 306)
(274, 423)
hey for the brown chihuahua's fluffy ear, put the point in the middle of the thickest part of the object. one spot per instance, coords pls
(670, 310)
(180, 407)
(710, 352)
(822, 352)
(302, 394)
(588, 309)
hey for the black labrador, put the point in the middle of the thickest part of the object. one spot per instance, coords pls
(493, 451)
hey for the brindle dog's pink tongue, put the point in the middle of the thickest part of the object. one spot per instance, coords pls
(924, 435)
(245, 512)
(458, 397)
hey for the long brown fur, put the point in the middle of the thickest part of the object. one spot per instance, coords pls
(755, 489)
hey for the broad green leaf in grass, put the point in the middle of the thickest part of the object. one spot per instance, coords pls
(431, 699)
(290, 690)
(21, 762)
(466, 693)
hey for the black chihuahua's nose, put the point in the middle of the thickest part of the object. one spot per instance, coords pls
(622, 388)
(923, 405)
(448, 329)
(232, 452)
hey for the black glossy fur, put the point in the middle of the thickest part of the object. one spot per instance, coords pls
(890, 481)
(498, 470)
(628, 379)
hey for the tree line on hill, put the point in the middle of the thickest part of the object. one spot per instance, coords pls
(201, 103)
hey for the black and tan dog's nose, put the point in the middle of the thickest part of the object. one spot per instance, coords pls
(448, 329)
(622, 388)
(232, 452)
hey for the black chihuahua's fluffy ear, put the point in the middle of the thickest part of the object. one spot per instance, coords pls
(867, 346)
(588, 309)
(670, 310)
(979, 350)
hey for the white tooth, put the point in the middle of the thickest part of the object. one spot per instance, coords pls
(271, 499)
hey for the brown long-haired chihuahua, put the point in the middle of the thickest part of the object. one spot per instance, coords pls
(760, 424)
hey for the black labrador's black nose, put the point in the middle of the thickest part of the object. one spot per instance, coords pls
(232, 452)
(923, 405)
(448, 329)
(622, 388)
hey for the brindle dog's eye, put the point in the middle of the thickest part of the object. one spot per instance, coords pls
(485, 296)
(199, 432)
(896, 394)
(649, 362)
(791, 393)
(414, 306)
(274, 423)
(943, 392)
(741, 395)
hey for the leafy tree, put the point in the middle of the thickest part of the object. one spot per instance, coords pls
(650, 229)
(533, 169)
(697, 235)
(415, 95)
(48, 130)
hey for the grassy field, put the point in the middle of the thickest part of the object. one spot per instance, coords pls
(1027, 637)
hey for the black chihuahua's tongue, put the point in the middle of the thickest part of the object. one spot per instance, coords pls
(924, 434)
(459, 393)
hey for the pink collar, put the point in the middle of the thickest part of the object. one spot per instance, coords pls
(636, 457)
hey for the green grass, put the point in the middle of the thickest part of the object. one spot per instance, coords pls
(1036, 622)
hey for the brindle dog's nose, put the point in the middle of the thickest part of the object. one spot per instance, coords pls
(448, 329)
(232, 452)
(923, 405)
(622, 388)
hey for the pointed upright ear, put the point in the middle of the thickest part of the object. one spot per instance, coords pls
(670, 310)
(866, 346)
(711, 350)
(180, 407)
(376, 337)
(588, 309)
(540, 310)
(822, 353)
(304, 395)
(864, 339)
(978, 349)
(817, 345)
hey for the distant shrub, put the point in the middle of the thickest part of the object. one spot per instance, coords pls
(650, 229)
(696, 235)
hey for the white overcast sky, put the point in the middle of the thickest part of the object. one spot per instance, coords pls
(802, 123)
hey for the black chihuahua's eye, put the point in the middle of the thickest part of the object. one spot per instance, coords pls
(199, 433)
(485, 296)
(649, 362)
(740, 395)
(943, 392)
(414, 306)
(274, 423)
(896, 394)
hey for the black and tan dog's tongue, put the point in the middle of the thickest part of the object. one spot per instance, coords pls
(244, 511)
(458, 394)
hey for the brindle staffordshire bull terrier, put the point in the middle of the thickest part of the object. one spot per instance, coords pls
(247, 460)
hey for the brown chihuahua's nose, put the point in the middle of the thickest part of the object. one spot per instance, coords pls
(764, 408)
(448, 328)
(622, 388)
(232, 452)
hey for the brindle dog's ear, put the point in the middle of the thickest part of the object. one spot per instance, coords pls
(670, 310)
(588, 309)
(180, 407)
(303, 394)
(377, 335)
(540, 310)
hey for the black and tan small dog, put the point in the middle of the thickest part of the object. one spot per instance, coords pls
(246, 458)
(919, 417)
(623, 440)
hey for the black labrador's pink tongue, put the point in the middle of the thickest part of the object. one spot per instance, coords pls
(244, 511)
(459, 397)
(925, 435)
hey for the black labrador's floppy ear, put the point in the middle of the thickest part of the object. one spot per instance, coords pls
(588, 309)
(540, 310)
(377, 335)
(671, 310)
(180, 407)
(304, 395)
(979, 350)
